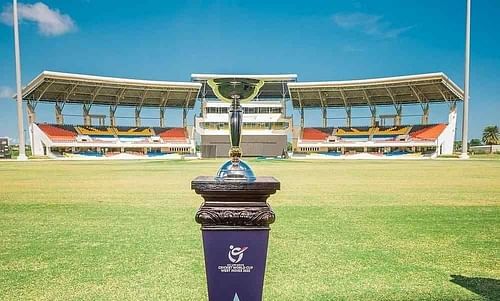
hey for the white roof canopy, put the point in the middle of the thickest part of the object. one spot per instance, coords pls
(51, 86)
(412, 89)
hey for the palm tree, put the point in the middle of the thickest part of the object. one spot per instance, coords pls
(491, 136)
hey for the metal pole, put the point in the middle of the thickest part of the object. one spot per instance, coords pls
(465, 121)
(19, 96)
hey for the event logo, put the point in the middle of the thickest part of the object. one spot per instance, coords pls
(235, 254)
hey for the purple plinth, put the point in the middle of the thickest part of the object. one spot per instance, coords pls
(238, 275)
(235, 219)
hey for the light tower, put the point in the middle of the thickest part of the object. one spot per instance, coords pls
(19, 96)
(465, 121)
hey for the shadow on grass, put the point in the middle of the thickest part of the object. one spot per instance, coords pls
(486, 287)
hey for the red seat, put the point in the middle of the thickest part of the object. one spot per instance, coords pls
(431, 132)
(174, 134)
(312, 134)
(57, 133)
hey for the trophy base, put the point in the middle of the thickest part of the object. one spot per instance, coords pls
(238, 171)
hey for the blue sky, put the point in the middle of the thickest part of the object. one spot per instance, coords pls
(318, 40)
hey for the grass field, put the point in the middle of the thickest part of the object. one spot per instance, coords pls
(345, 230)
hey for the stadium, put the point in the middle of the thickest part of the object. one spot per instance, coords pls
(376, 197)
(267, 126)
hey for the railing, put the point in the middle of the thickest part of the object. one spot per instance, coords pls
(246, 125)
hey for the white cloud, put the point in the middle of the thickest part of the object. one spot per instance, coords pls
(372, 25)
(50, 22)
(6, 92)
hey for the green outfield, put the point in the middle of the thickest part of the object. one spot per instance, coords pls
(345, 230)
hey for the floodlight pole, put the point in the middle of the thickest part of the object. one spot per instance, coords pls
(19, 96)
(465, 121)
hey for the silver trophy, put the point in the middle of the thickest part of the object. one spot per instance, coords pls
(235, 91)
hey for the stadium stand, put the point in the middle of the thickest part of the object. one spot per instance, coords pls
(427, 132)
(421, 132)
(122, 131)
(171, 134)
(59, 132)
(390, 131)
(96, 141)
(66, 132)
(389, 141)
(316, 134)
(95, 131)
(358, 132)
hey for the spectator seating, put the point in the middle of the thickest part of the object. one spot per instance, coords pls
(427, 132)
(92, 131)
(58, 132)
(171, 134)
(133, 131)
(316, 134)
(358, 132)
(399, 133)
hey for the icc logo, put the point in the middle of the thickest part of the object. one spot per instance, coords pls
(235, 254)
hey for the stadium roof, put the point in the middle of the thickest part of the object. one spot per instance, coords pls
(412, 89)
(51, 86)
(274, 85)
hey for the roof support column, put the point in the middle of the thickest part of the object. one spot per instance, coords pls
(87, 120)
(424, 103)
(112, 117)
(162, 117)
(399, 111)
(184, 117)
(397, 106)
(325, 117)
(348, 111)
(31, 112)
(425, 116)
(138, 116)
(323, 109)
(301, 117)
(30, 108)
(58, 110)
(112, 108)
(86, 115)
(138, 109)
(373, 109)
(185, 110)
(374, 116)
(163, 107)
(62, 101)
(453, 106)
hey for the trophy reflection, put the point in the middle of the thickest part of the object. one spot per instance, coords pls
(235, 91)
